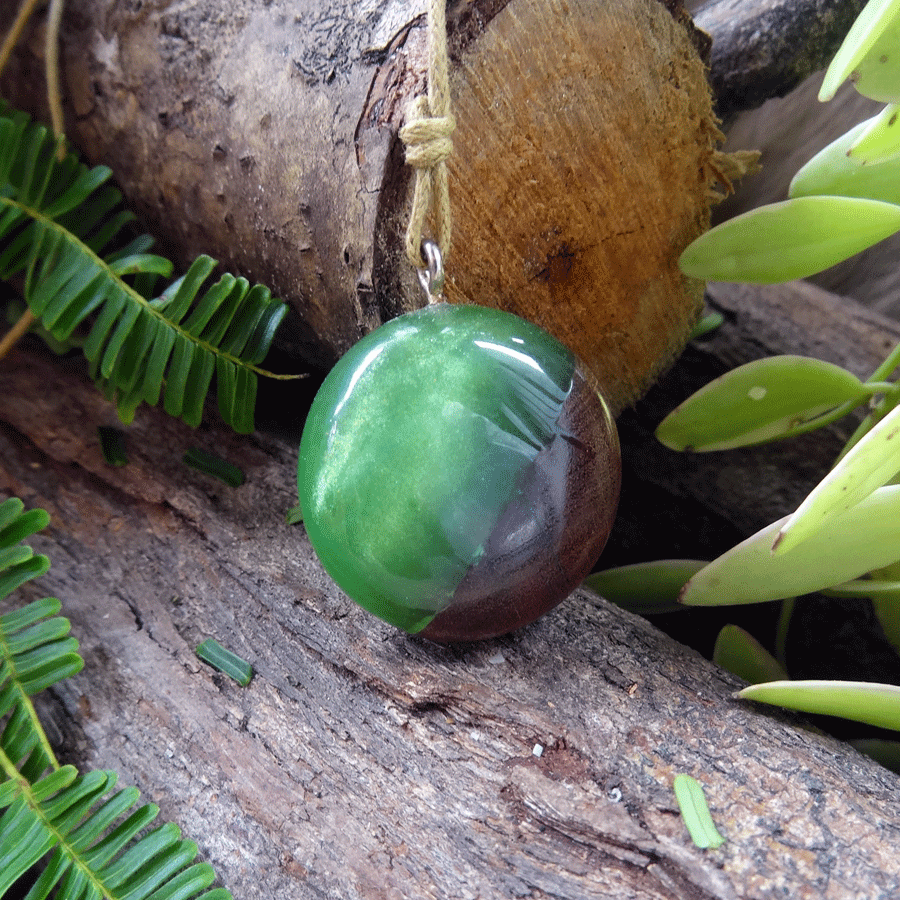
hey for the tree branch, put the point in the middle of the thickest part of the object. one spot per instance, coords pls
(765, 48)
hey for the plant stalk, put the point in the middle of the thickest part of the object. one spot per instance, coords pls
(15, 334)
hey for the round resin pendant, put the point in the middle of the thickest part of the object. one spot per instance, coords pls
(458, 474)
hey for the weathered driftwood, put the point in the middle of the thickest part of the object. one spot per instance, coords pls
(266, 136)
(765, 48)
(361, 763)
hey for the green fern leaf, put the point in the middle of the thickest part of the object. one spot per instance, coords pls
(58, 222)
(92, 839)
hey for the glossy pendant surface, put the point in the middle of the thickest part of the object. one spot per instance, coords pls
(458, 475)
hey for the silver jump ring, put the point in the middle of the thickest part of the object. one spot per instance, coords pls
(432, 276)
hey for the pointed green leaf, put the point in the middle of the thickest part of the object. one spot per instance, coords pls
(17, 525)
(103, 817)
(880, 141)
(261, 340)
(109, 227)
(226, 383)
(112, 309)
(645, 588)
(188, 286)
(118, 338)
(738, 652)
(10, 510)
(146, 849)
(866, 537)
(177, 377)
(242, 327)
(141, 262)
(20, 619)
(873, 35)
(870, 464)
(75, 193)
(187, 884)
(130, 363)
(210, 302)
(42, 632)
(833, 171)
(197, 387)
(17, 575)
(154, 372)
(860, 701)
(101, 853)
(694, 810)
(215, 331)
(761, 401)
(792, 239)
(244, 401)
(80, 296)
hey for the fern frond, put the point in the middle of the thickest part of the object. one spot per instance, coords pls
(92, 839)
(96, 843)
(57, 221)
(35, 648)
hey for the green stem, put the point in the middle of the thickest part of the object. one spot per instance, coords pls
(51, 62)
(888, 366)
(781, 633)
(15, 32)
(15, 334)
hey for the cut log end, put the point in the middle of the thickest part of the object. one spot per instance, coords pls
(582, 167)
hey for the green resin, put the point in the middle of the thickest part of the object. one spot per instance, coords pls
(414, 445)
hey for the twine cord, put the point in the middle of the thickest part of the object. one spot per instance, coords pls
(427, 139)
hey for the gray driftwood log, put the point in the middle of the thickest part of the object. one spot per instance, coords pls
(361, 763)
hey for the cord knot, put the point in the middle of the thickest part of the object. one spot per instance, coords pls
(428, 144)
(426, 138)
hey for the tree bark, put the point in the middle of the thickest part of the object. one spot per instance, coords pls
(266, 136)
(361, 763)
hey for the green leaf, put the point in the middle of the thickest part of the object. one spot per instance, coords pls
(871, 463)
(738, 652)
(792, 239)
(645, 588)
(758, 402)
(869, 54)
(212, 652)
(834, 171)
(694, 810)
(210, 464)
(860, 701)
(880, 141)
(707, 324)
(864, 538)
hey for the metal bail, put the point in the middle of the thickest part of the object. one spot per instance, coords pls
(432, 276)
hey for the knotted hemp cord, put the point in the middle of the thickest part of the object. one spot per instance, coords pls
(426, 137)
